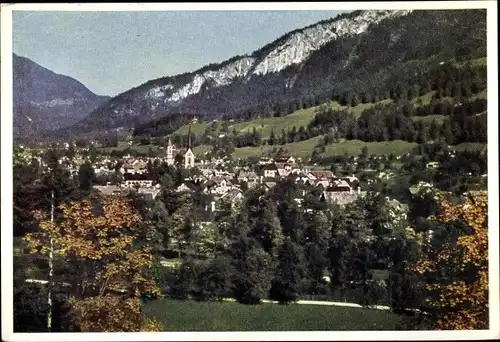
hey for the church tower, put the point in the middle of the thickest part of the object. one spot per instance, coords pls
(189, 155)
(170, 152)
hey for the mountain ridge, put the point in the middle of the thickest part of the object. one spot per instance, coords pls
(45, 100)
(358, 50)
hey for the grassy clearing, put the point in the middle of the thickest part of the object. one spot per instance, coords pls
(425, 99)
(179, 315)
(250, 151)
(481, 95)
(299, 118)
(197, 128)
(353, 148)
(439, 118)
(200, 150)
(301, 149)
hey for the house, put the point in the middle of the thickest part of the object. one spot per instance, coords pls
(285, 159)
(321, 175)
(149, 193)
(110, 190)
(282, 172)
(299, 178)
(217, 184)
(138, 179)
(245, 176)
(432, 165)
(265, 160)
(341, 197)
(269, 185)
(284, 169)
(183, 187)
(127, 168)
(269, 170)
(322, 184)
(252, 184)
(233, 196)
(186, 186)
(340, 185)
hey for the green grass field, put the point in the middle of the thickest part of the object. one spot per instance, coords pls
(197, 128)
(200, 150)
(428, 118)
(426, 98)
(301, 149)
(353, 147)
(299, 118)
(179, 315)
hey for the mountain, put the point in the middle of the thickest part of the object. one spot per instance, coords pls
(44, 100)
(361, 51)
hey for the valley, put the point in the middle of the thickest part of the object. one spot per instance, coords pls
(343, 165)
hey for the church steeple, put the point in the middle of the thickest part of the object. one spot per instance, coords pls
(170, 151)
(189, 137)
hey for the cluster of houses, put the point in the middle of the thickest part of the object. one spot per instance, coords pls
(215, 179)
(222, 184)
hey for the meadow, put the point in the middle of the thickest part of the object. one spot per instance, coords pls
(189, 315)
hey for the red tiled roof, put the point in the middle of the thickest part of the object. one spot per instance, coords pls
(322, 174)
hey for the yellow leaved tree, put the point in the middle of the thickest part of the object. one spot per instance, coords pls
(461, 302)
(107, 272)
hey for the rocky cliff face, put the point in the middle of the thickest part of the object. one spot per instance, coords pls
(292, 49)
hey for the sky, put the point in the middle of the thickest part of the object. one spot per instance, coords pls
(111, 52)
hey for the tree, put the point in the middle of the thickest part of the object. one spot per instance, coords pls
(253, 272)
(86, 176)
(107, 273)
(289, 273)
(364, 153)
(272, 138)
(317, 236)
(158, 217)
(460, 295)
(265, 225)
(92, 154)
(214, 279)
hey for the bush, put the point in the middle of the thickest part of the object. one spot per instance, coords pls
(214, 280)
(377, 292)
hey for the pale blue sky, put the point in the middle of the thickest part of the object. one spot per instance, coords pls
(111, 52)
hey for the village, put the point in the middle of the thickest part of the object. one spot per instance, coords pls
(218, 178)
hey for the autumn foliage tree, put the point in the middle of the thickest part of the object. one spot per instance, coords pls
(457, 270)
(108, 272)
